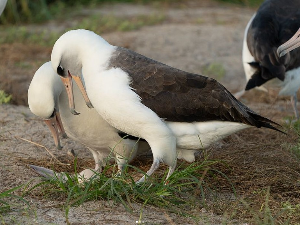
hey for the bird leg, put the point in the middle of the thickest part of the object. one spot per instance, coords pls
(171, 171)
(60, 125)
(98, 164)
(154, 167)
(294, 104)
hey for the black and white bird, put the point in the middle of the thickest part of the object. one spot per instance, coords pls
(140, 96)
(47, 98)
(273, 24)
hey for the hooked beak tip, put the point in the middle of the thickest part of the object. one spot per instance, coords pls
(280, 52)
(73, 111)
(89, 104)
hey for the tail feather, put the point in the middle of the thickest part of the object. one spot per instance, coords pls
(252, 118)
(265, 122)
(269, 126)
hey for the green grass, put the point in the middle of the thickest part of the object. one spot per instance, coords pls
(214, 70)
(6, 196)
(4, 98)
(251, 3)
(97, 23)
(21, 34)
(28, 11)
(295, 149)
(285, 214)
(183, 193)
(101, 24)
(294, 125)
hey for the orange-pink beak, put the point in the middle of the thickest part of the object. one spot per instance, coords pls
(69, 88)
(55, 125)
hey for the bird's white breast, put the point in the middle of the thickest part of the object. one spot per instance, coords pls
(87, 127)
(291, 82)
(247, 57)
(111, 95)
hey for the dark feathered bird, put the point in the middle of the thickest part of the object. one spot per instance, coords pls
(274, 23)
(167, 107)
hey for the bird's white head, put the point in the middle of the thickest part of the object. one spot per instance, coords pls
(43, 96)
(74, 50)
(44, 91)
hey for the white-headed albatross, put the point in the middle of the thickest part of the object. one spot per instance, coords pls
(47, 98)
(138, 95)
(273, 24)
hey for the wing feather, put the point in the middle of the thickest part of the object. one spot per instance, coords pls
(179, 96)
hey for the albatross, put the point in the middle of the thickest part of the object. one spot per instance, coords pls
(148, 99)
(47, 98)
(272, 25)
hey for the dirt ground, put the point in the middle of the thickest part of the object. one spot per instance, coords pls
(193, 36)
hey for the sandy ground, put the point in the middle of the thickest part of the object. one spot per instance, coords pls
(193, 36)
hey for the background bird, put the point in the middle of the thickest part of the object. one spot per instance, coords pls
(138, 95)
(273, 24)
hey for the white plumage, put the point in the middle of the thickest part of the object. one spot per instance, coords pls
(110, 92)
(46, 94)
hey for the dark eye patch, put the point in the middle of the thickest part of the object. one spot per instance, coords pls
(53, 114)
(60, 71)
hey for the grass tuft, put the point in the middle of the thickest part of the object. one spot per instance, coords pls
(214, 70)
(251, 3)
(5, 196)
(184, 191)
(97, 23)
(294, 125)
(101, 24)
(4, 98)
(26, 11)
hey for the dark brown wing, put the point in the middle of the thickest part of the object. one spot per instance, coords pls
(175, 95)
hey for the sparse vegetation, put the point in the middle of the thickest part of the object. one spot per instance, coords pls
(214, 70)
(5, 196)
(252, 3)
(4, 97)
(96, 23)
(254, 184)
(101, 24)
(184, 191)
(26, 11)
(294, 125)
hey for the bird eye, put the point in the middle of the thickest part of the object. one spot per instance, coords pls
(53, 114)
(60, 71)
